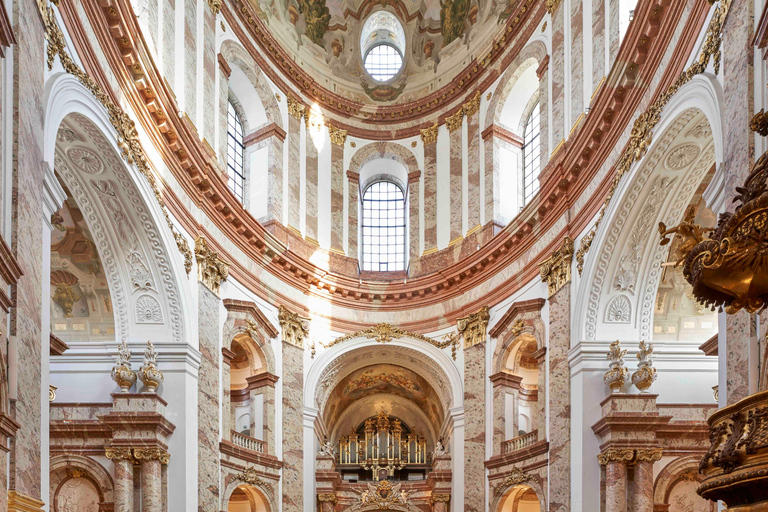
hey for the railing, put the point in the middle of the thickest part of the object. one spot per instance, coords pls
(520, 442)
(248, 442)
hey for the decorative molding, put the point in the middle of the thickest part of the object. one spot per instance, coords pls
(503, 135)
(327, 497)
(453, 122)
(224, 65)
(338, 136)
(438, 497)
(616, 455)
(251, 476)
(552, 6)
(118, 454)
(226, 356)
(211, 270)
(271, 130)
(709, 347)
(648, 455)
(556, 270)
(259, 318)
(295, 328)
(7, 38)
(384, 333)
(18, 502)
(58, 347)
(474, 328)
(260, 380)
(543, 67)
(506, 379)
(215, 6)
(295, 107)
(515, 310)
(429, 135)
(141, 454)
(516, 476)
(472, 107)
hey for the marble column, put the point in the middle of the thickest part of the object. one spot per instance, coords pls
(353, 208)
(209, 114)
(327, 502)
(293, 435)
(430, 188)
(296, 111)
(738, 156)
(474, 427)
(151, 486)
(576, 72)
(540, 415)
(642, 497)
(123, 481)
(414, 207)
(473, 167)
(454, 124)
(337, 193)
(615, 486)
(440, 502)
(208, 399)
(314, 133)
(542, 72)
(598, 42)
(558, 76)
(189, 65)
(227, 413)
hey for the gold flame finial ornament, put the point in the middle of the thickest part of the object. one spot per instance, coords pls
(617, 372)
(121, 372)
(645, 375)
(150, 375)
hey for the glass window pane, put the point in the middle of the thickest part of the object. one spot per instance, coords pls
(383, 227)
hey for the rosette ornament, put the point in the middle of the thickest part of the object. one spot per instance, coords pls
(121, 372)
(645, 375)
(616, 375)
(150, 375)
(730, 267)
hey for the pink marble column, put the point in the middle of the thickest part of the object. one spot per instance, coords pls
(293, 428)
(473, 169)
(275, 178)
(294, 172)
(430, 196)
(613, 32)
(615, 486)
(313, 131)
(598, 42)
(492, 165)
(557, 75)
(227, 411)
(559, 400)
(414, 207)
(576, 73)
(168, 64)
(337, 197)
(151, 486)
(190, 66)
(456, 194)
(738, 156)
(210, 115)
(542, 72)
(208, 399)
(474, 427)
(642, 498)
(123, 485)
(353, 205)
(540, 416)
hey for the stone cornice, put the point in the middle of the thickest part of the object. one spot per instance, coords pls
(543, 66)
(268, 461)
(227, 356)
(503, 135)
(515, 310)
(506, 379)
(58, 347)
(536, 449)
(271, 130)
(261, 380)
(224, 66)
(584, 153)
(244, 306)
(709, 347)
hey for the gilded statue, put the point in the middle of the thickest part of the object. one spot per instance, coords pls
(453, 18)
(317, 17)
(689, 233)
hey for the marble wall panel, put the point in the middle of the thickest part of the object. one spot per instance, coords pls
(275, 177)
(293, 428)
(474, 428)
(190, 59)
(311, 187)
(210, 114)
(559, 401)
(456, 182)
(576, 73)
(208, 400)
(168, 64)
(430, 196)
(557, 67)
(598, 42)
(337, 197)
(473, 170)
(499, 418)
(613, 31)
(413, 218)
(353, 205)
(492, 169)
(294, 173)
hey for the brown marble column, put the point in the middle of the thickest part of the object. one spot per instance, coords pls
(454, 123)
(472, 111)
(558, 76)
(296, 112)
(264, 384)
(338, 139)
(353, 209)
(556, 272)
(504, 383)
(474, 331)
(314, 134)
(294, 331)
(414, 207)
(429, 138)
(738, 156)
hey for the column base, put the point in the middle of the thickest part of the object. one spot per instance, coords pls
(18, 502)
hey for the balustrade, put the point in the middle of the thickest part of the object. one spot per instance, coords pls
(519, 442)
(249, 443)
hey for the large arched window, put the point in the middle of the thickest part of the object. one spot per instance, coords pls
(531, 155)
(383, 227)
(235, 150)
(382, 46)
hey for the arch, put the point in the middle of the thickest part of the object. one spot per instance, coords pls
(263, 487)
(115, 198)
(700, 99)
(93, 471)
(678, 471)
(501, 494)
(383, 150)
(234, 329)
(237, 56)
(534, 329)
(533, 53)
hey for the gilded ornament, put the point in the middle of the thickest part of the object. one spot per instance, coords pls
(759, 123)
(211, 270)
(616, 455)
(65, 297)
(118, 454)
(121, 372)
(52, 392)
(474, 327)
(150, 375)
(648, 455)
(556, 270)
(384, 333)
(429, 135)
(552, 6)
(152, 454)
(76, 473)
(250, 476)
(327, 497)
(295, 108)
(438, 497)
(471, 107)
(645, 375)
(515, 477)
(384, 496)
(338, 136)
(295, 328)
(517, 328)
(617, 372)
(689, 233)
(453, 122)
(215, 6)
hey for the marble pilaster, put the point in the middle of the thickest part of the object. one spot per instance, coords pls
(473, 169)
(313, 132)
(275, 178)
(474, 427)
(353, 205)
(598, 42)
(227, 411)
(124, 485)
(576, 72)
(642, 497)
(190, 67)
(208, 399)
(492, 150)
(414, 207)
(430, 196)
(616, 486)
(293, 434)
(151, 486)
(614, 35)
(542, 72)
(542, 394)
(456, 181)
(263, 384)
(337, 197)
(294, 172)
(209, 114)
(503, 384)
(557, 65)
(223, 105)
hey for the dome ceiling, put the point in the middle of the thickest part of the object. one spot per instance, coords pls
(436, 38)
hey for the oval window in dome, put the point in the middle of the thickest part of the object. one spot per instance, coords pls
(382, 45)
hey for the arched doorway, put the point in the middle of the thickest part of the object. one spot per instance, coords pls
(247, 499)
(520, 498)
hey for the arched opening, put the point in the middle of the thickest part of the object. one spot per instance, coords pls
(382, 46)
(247, 404)
(522, 363)
(383, 226)
(247, 498)
(520, 498)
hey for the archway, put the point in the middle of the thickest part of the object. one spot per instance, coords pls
(520, 498)
(247, 498)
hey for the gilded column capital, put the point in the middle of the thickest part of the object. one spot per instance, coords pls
(295, 328)
(474, 327)
(338, 136)
(295, 108)
(327, 497)
(141, 454)
(215, 6)
(118, 454)
(454, 121)
(439, 497)
(616, 455)
(471, 107)
(429, 135)
(648, 455)
(211, 270)
(552, 6)
(556, 270)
